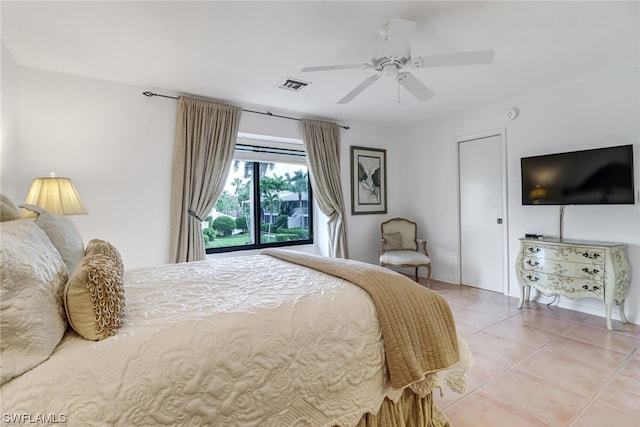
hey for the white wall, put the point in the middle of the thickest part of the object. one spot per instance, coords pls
(9, 112)
(364, 230)
(117, 146)
(591, 114)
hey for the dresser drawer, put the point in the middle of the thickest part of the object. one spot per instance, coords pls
(578, 270)
(564, 253)
(573, 287)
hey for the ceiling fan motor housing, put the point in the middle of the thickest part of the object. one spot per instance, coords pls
(381, 62)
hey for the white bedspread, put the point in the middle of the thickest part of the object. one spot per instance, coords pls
(248, 341)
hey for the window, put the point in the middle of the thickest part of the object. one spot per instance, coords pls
(266, 202)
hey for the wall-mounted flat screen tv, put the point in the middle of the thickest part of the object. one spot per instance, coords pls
(587, 177)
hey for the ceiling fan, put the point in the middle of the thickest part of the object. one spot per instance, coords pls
(394, 54)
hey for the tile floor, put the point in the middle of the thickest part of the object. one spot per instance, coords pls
(541, 366)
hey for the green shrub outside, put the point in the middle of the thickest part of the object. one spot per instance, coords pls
(303, 233)
(283, 237)
(265, 228)
(209, 234)
(241, 223)
(224, 225)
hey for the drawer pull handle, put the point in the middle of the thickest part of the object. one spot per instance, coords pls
(533, 278)
(592, 289)
(591, 256)
(533, 264)
(594, 271)
(534, 250)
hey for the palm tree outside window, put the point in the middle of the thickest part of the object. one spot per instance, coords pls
(264, 203)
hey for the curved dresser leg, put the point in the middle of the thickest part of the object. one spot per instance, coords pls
(524, 295)
(623, 318)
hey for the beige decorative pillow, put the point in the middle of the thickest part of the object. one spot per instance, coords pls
(63, 234)
(97, 246)
(94, 298)
(393, 241)
(32, 320)
(8, 211)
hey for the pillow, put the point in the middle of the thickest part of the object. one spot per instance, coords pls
(8, 211)
(94, 298)
(32, 318)
(63, 234)
(393, 241)
(97, 246)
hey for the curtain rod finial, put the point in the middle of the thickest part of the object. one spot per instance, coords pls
(147, 93)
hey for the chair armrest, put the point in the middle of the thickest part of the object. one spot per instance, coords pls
(422, 244)
(382, 242)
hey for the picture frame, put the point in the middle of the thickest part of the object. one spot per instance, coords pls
(368, 181)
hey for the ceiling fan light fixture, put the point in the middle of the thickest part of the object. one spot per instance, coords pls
(390, 70)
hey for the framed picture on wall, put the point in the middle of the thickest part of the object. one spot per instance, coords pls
(368, 181)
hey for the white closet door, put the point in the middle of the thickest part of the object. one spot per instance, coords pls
(481, 210)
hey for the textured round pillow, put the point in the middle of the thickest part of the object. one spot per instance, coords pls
(97, 246)
(94, 298)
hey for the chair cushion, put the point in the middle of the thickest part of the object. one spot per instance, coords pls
(404, 258)
(392, 241)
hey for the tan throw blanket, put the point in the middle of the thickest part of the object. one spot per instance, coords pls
(417, 325)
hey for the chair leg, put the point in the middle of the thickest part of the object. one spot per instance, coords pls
(429, 275)
(417, 279)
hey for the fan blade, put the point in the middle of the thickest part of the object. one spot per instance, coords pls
(336, 67)
(398, 34)
(414, 86)
(457, 58)
(359, 89)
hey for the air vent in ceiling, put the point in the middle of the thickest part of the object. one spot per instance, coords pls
(293, 84)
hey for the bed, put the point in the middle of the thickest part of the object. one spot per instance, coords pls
(276, 339)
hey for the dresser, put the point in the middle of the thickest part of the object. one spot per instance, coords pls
(576, 269)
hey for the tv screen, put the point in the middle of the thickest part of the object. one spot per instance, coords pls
(587, 177)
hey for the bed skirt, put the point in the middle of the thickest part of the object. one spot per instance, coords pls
(410, 410)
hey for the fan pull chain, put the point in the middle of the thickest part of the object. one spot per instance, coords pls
(398, 81)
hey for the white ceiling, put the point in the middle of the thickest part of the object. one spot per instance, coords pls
(240, 51)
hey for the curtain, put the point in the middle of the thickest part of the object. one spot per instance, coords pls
(322, 145)
(205, 139)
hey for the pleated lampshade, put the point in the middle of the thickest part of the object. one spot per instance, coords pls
(57, 195)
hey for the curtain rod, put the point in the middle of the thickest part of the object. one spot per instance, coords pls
(268, 113)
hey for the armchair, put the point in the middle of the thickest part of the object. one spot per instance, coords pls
(400, 247)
